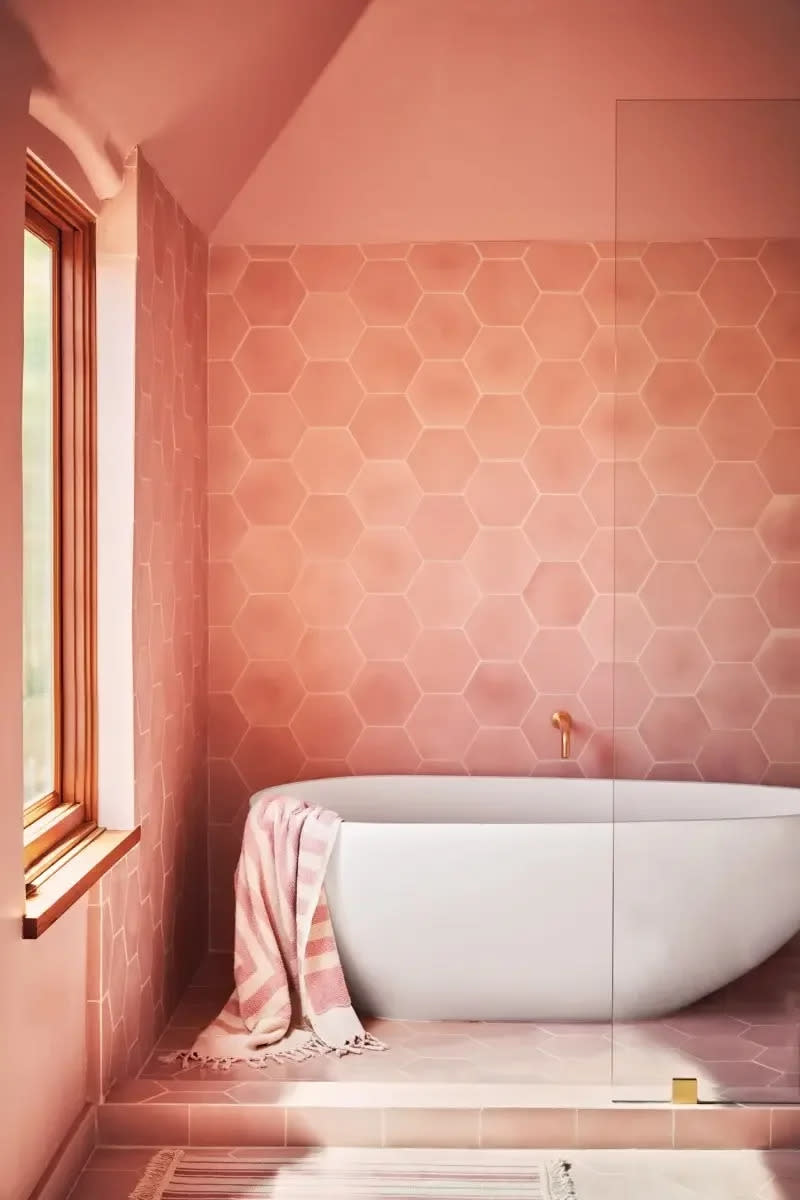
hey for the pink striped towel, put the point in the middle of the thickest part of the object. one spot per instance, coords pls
(290, 1001)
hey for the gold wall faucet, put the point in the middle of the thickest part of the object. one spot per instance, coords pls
(563, 721)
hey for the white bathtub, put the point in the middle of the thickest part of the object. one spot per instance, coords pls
(554, 899)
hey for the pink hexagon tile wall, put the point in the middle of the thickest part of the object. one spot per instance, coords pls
(432, 468)
(148, 927)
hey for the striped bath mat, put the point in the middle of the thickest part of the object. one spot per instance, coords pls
(315, 1175)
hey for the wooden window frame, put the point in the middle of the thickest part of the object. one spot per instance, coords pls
(59, 825)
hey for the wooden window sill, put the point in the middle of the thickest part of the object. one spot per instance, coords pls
(59, 891)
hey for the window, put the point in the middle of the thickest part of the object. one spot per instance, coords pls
(58, 520)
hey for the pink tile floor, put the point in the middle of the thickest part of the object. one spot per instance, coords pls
(743, 1044)
(111, 1174)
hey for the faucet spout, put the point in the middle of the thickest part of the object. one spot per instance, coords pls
(563, 721)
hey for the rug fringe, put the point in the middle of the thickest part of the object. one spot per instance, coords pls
(562, 1186)
(157, 1173)
(314, 1048)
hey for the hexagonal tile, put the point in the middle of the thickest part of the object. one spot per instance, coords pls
(327, 526)
(226, 593)
(632, 627)
(633, 493)
(676, 461)
(226, 459)
(733, 561)
(383, 750)
(268, 693)
(327, 325)
(327, 460)
(733, 628)
(558, 594)
(226, 724)
(675, 594)
(674, 728)
(500, 628)
(385, 560)
(501, 359)
(734, 495)
(499, 694)
(327, 268)
(498, 752)
(269, 293)
(226, 266)
(598, 626)
(501, 427)
(385, 293)
(327, 593)
(226, 393)
(560, 325)
(384, 627)
(599, 292)
(732, 756)
(441, 660)
(558, 660)
(385, 360)
(385, 426)
(560, 393)
(676, 528)
(598, 492)
(678, 266)
(735, 427)
(327, 660)
(780, 260)
(443, 527)
(779, 527)
(560, 266)
(778, 728)
(226, 658)
(632, 560)
(559, 527)
(735, 360)
(226, 326)
(778, 663)
(677, 393)
(559, 460)
(443, 393)
(442, 594)
(328, 393)
(443, 460)
(501, 292)
(732, 696)
(443, 325)
(384, 693)
(500, 493)
(269, 492)
(779, 461)
(268, 626)
(674, 661)
(266, 757)
(780, 393)
(270, 360)
(385, 493)
(736, 292)
(269, 426)
(779, 596)
(443, 266)
(268, 559)
(501, 560)
(442, 727)
(634, 293)
(780, 325)
(677, 325)
(326, 726)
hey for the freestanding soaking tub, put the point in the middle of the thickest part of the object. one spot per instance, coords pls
(525, 899)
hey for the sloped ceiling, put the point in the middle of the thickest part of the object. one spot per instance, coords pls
(462, 119)
(203, 86)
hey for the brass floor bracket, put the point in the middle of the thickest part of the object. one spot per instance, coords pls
(684, 1091)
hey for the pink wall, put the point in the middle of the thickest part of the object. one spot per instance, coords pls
(150, 914)
(42, 998)
(412, 504)
(495, 118)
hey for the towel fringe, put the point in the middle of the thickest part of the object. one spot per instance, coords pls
(313, 1048)
(562, 1186)
(157, 1173)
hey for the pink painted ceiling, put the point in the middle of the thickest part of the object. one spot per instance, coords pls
(203, 87)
